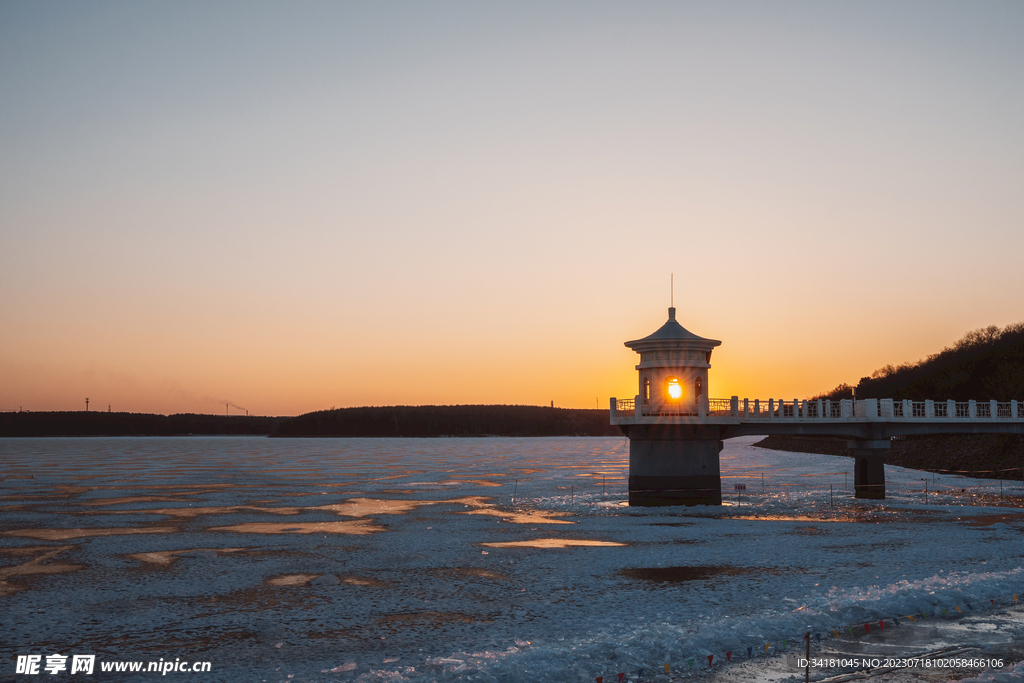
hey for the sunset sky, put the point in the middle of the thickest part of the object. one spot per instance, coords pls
(294, 206)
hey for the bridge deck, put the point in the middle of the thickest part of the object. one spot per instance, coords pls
(870, 419)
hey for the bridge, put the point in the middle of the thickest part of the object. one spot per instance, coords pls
(676, 431)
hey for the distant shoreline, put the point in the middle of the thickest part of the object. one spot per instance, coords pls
(95, 423)
(461, 421)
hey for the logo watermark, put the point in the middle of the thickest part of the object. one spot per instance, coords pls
(32, 665)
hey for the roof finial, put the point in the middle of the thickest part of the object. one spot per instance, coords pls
(672, 297)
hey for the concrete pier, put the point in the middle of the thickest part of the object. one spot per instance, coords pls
(868, 467)
(674, 465)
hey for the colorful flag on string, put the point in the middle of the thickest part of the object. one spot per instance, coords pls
(867, 628)
(881, 624)
(667, 667)
(710, 659)
(728, 656)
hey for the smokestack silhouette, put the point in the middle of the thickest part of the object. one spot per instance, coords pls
(228, 405)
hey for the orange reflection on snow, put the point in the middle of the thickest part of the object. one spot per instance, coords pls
(166, 557)
(291, 579)
(357, 527)
(33, 566)
(552, 543)
(364, 507)
(64, 534)
(535, 517)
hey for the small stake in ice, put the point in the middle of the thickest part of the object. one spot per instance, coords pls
(807, 666)
(740, 488)
(514, 492)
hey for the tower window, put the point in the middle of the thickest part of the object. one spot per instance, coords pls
(698, 387)
(647, 389)
(674, 390)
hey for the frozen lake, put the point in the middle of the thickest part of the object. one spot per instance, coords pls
(491, 559)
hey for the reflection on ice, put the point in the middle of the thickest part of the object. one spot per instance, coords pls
(35, 565)
(359, 527)
(532, 517)
(167, 557)
(291, 579)
(65, 534)
(553, 543)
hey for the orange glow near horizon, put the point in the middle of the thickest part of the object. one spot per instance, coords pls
(273, 380)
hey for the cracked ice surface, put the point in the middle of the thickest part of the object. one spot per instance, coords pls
(490, 559)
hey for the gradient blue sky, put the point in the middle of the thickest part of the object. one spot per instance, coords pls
(292, 206)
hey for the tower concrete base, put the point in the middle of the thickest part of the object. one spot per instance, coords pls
(674, 465)
(868, 468)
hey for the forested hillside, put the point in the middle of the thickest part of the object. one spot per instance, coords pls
(985, 364)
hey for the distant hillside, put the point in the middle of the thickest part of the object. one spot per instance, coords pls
(985, 364)
(95, 423)
(487, 420)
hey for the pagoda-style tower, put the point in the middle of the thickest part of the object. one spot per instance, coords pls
(673, 369)
(673, 456)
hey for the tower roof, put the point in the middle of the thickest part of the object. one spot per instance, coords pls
(672, 335)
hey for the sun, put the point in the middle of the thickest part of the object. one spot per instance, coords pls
(674, 390)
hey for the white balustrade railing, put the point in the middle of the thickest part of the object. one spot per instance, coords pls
(720, 407)
(821, 409)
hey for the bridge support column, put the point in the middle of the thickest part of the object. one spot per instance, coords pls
(868, 467)
(674, 465)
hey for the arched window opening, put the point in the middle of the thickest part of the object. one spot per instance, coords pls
(675, 391)
(698, 387)
(647, 390)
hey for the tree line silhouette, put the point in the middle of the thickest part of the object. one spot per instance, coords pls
(382, 421)
(457, 420)
(95, 423)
